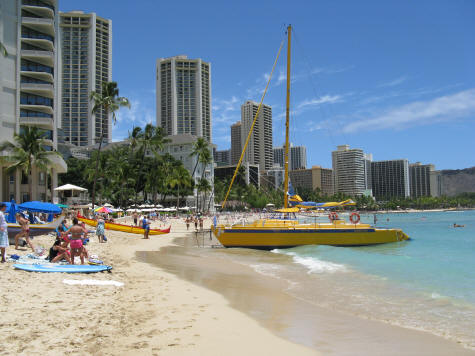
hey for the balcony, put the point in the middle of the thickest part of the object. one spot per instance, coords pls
(46, 90)
(37, 107)
(47, 77)
(43, 25)
(39, 8)
(43, 57)
(41, 122)
(58, 163)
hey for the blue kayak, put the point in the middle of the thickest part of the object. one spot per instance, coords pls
(63, 268)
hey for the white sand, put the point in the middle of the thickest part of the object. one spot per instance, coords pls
(154, 313)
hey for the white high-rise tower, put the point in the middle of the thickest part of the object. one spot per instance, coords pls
(29, 88)
(86, 63)
(184, 96)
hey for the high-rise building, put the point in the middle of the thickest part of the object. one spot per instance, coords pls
(313, 178)
(184, 96)
(350, 170)
(435, 183)
(420, 179)
(222, 157)
(259, 149)
(390, 179)
(29, 88)
(86, 63)
(236, 145)
(297, 157)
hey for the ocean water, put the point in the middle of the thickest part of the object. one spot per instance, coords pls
(427, 283)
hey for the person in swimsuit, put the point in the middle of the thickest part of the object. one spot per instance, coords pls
(100, 229)
(24, 231)
(58, 252)
(135, 216)
(3, 231)
(75, 241)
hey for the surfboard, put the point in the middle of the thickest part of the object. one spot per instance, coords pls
(63, 268)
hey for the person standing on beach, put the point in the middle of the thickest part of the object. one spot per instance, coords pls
(76, 241)
(135, 216)
(100, 229)
(187, 223)
(145, 226)
(24, 232)
(195, 220)
(3, 231)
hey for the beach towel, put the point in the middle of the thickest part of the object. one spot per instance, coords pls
(92, 282)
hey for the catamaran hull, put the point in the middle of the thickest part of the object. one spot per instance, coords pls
(125, 228)
(268, 239)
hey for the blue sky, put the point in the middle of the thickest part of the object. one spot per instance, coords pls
(396, 79)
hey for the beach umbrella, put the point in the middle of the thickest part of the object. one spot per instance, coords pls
(103, 209)
(40, 207)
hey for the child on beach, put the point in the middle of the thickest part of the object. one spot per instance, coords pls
(3, 231)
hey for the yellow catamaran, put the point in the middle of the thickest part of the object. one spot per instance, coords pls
(284, 233)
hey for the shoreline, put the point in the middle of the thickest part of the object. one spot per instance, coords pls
(264, 298)
(173, 309)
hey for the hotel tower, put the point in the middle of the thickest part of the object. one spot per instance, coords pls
(184, 96)
(29, 93)
(86, 63)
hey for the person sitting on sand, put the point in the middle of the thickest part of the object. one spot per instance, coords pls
(58, 252)
(75, 243)
(3, 231)
(24, 231)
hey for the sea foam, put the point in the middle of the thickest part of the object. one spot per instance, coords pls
(313, 264)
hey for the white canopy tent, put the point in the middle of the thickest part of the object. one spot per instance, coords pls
(70, 187)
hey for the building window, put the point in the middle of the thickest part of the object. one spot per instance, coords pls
(24, 178)
(25, 197)
(41, 178)
(12, 179)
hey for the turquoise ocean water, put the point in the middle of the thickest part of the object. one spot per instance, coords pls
(427, 283)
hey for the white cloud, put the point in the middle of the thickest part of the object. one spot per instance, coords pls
(394, 82)
(444, 108)
(330, 99)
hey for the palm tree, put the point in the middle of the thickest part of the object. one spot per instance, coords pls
(109, 101)
(151, 138)
(199, 148)
(27, 152)
(180, 178)
(205, 187)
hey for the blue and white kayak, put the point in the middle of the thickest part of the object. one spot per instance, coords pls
(63, 268)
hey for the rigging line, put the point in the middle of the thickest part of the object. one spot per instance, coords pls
(253, 123)
(307, 62)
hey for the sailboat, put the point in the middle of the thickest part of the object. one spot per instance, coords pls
(285, 232)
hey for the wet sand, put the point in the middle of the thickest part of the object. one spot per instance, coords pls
(264, 299)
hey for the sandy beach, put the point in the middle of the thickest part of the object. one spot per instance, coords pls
(176, 304)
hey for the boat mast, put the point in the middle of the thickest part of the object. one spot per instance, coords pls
(287, 115)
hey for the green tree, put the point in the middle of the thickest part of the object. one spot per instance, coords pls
(203, 186)
(27, 151)
(180, 178)
(106, 101)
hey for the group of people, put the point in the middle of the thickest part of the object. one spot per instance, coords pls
(70, 242)
(197, 220)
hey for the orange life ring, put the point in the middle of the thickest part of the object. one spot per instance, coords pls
(355, 218)
(333, 216)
